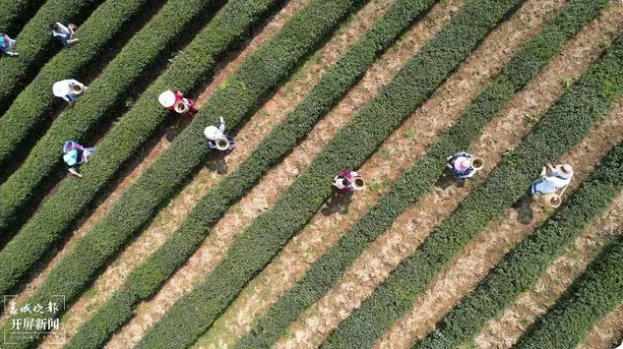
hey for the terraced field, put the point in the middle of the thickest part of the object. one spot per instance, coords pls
(163, 243)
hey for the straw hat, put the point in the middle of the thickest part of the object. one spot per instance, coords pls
(565, 170)
(212, 133)
(61, 89)
(462, 164)
(167, 99)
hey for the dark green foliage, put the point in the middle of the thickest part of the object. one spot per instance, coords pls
(35, 44)
(146, 280)
(326, 272)
(350, 148)
(258, 75)
(15, 13)
(598, 291)
(187, 71)
(563, 126)
(521, 268)
(106, 94)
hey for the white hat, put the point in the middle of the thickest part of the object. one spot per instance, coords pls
(212, 133)
(167, 98)
(61, 88)
(565, 170)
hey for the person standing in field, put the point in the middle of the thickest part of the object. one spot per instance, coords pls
(69, 90)
(75, 155)
(64, 33)
(6, 43)
(348, 181)
(175, 101)
(559, 178)
(463, 165)
(217, 139)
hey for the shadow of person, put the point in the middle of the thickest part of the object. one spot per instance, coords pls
(216, 162)
(525, 214)
(447, 180)
(177, 127)
(338, 202)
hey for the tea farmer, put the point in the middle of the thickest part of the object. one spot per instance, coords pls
(347, 181)
(75, 155)
(217, 139)
(177, 103)
(461, 165)
(6, 43)
(68, 89)
(559, 178)
(64, 33)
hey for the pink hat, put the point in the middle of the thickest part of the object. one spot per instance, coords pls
(462, 164)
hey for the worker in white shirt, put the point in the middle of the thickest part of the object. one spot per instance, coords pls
(64, 33)
(559, 178)
(68, 89)
(217, 139)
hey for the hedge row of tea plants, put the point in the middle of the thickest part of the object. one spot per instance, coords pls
(562, 127)
(36, 44)
(187, 71)
(326, 272)
(597, 292)
(259, 75)
(335, 83)
(350, 148)
(105, 96)
(35, 105)
(15, 13)
(521, 268)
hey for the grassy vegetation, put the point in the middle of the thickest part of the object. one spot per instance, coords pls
(187, 71)
(326, 272)
(15, 13)
(258, 75)
(97, 34)
(105, 96)
(350, 147)
(563, 126)
(521, 268)
(598, 291)
(335, 83)
(36, 44)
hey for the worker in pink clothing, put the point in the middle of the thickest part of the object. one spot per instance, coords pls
(6, 43)
(175, 101)
(75, 155)
(348, 181)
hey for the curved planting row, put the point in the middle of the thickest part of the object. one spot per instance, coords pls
(260, 73)
(336, 82)
(36, 101)
(598, 291)
(326, 272)
(106, 94)
(522, 267)
(14, 14)
(565, 124)
(35, 44)
(188, 70)
(351, 146)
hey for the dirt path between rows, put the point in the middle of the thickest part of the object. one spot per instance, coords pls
(273, 112)
(169, 218)
(237, 319)
(398, 243)
(607, 334)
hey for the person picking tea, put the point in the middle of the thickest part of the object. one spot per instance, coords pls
(463, 165)
(348, 181)
(68, 90)
(75, 155)
(65, 34)
(559, 178)
(217, 139)
(6, 43)
(175, 101)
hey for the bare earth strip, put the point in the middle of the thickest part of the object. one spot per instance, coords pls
(482, 254)
(403, 238)
(271, 114)
(607, 334)
(161, 145)
(253, 302)
(503, 333)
